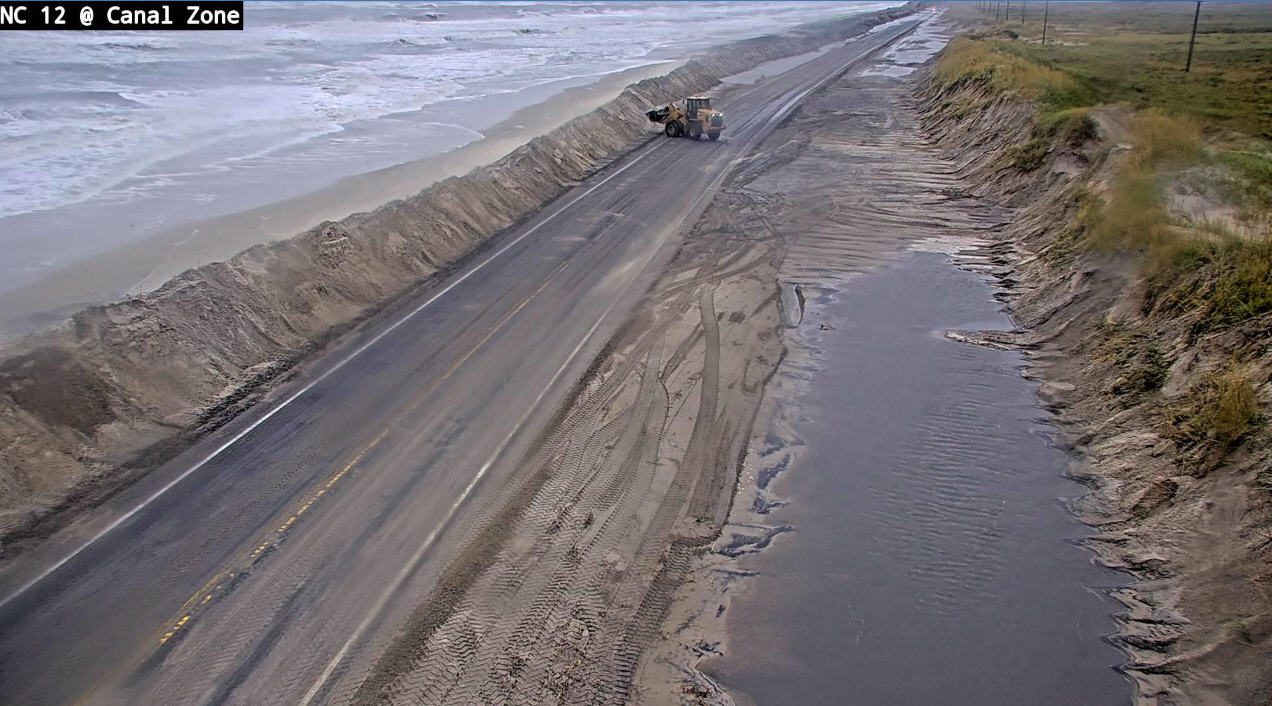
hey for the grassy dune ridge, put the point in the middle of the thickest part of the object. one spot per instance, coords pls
(1207, 133)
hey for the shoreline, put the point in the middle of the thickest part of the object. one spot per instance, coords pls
(173, 365)
(294, 127)
(136, 268)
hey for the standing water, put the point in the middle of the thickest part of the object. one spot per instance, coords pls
(930, 559)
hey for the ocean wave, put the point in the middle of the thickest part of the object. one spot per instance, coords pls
(35, 97)
(132, 46)
(81, 111)
(429, 16)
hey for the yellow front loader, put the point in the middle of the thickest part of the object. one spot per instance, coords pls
(693, 119)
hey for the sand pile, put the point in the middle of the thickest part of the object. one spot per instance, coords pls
(120, 387)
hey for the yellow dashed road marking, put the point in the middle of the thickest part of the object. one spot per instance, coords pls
(279, 534)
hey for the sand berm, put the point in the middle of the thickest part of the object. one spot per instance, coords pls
(90, 405)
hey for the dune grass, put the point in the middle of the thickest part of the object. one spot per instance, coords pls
(1218, 115)
(1134, 53)
(998, 64)
(1003, 68)
(1229, 87)
(1226, 276)
(1210, 128)
(1219, 412)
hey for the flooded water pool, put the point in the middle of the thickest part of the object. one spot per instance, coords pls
(925, 555)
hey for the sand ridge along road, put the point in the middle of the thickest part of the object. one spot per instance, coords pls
(279, 570)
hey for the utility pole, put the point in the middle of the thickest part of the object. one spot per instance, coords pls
(1022, 13)
(1046, 10)
(1193, 41)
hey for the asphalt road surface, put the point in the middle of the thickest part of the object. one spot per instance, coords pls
(274, 561)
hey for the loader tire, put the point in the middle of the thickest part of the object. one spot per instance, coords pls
(695, 131)
(713, 135)
(670, 129)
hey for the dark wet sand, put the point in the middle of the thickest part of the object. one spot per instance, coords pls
(931, 559)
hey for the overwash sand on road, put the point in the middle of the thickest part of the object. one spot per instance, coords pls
(184, 358)
(248, 626)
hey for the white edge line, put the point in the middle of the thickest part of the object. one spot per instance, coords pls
(413, 563)
(296, 395)
(251, 427)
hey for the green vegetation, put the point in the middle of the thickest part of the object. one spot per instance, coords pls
(1029, 156)
(1228, 86)
(1143, 364)
(1072, 125)
(1228, 278)
(1250, 183)
(1134, 55)
(1217, 118)
(999, 65)
(1219, 412)
(1191, 200)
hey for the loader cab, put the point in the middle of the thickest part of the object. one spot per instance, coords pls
(694, 103)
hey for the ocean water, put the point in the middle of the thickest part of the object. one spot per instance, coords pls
(107, 137)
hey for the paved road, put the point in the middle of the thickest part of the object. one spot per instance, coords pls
(273, 562)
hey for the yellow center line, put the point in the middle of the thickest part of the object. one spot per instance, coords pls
(230, 577)
(207, 593)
